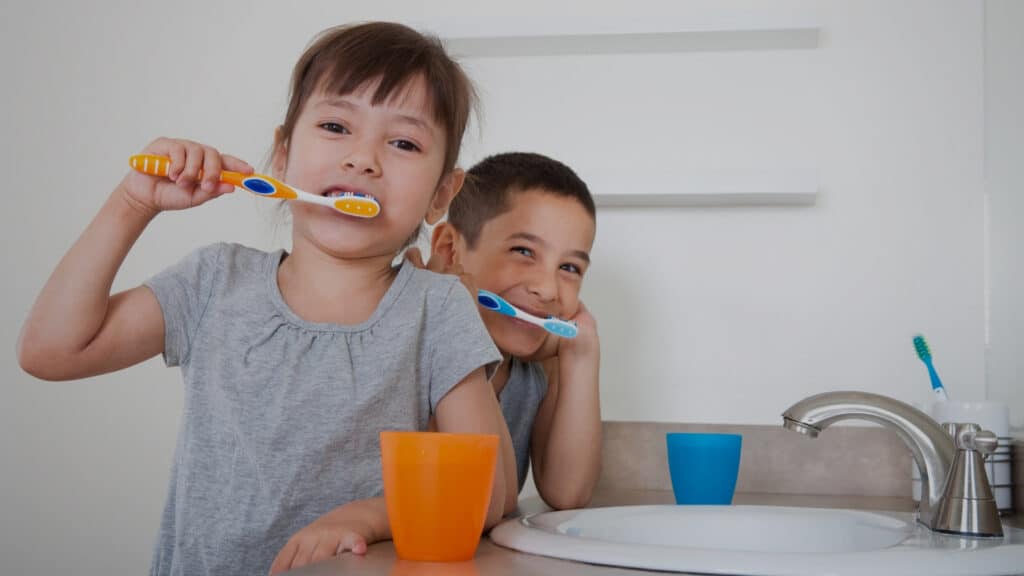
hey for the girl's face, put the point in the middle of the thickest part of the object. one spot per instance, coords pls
(393, 151)
(534, 255)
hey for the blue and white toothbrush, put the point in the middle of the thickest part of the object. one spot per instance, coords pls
(925, 354)
(556, 326)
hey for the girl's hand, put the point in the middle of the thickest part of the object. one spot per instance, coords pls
(192, 179)
(351, 527)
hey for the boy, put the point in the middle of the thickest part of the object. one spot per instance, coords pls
(523, 227)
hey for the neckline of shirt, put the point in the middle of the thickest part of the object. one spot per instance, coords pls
(390, 297)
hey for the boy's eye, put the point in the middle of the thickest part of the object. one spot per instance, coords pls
(522, 250)
(405, 145)
(334, 127)
(572, 268)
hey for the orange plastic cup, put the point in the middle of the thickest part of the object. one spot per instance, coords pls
(437, 487)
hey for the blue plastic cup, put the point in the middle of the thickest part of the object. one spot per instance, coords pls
(703, 466)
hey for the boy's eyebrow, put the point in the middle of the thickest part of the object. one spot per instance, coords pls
(538, 240)
(344, 103)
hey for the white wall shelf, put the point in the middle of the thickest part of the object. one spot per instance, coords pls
(686, 118)
(635, 43)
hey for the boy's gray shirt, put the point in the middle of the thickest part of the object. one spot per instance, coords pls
(520, 398)
(281, 416)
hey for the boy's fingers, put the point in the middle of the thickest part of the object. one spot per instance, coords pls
(414, 256)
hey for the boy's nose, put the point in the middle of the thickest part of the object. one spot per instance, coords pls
(543, 286)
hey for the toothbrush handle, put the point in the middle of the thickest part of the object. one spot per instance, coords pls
(359, 205)
(255, 183)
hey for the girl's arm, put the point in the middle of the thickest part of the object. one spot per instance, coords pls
(469, 407)
(565, 445)
(472, 407)
(76, 328)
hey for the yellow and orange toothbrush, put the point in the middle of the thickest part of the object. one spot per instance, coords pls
(351, 203)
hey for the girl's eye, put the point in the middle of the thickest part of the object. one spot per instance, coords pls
(523, 250)
(334, 127)
(405, 145)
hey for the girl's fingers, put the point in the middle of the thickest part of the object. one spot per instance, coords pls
(284, 557)
(193, 164)
(326, 548)
(176, 153)
(235, 165)
(211, 169)
(354, 542)
(304, 555)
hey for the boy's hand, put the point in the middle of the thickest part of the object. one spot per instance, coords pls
(583, 345)
(351, 527)
(435, 264)
(192, 178)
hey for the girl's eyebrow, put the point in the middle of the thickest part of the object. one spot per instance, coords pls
(538, 240)
(346, 104)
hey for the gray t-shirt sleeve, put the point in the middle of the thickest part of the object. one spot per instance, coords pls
(183, 291)
(460, 344)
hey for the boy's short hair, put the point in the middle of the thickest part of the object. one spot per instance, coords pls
(492, 181)
(342, 59)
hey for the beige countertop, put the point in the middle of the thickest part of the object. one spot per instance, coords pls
(493, 560)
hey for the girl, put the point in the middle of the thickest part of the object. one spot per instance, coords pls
(294, 362)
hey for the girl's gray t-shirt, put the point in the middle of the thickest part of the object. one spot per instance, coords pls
(281, 416)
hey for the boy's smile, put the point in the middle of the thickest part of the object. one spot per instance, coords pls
(534, 255)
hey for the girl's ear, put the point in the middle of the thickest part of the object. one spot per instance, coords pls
(279, 158)
(445, 193)
(444, 245)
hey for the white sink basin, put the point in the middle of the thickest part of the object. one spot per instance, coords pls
(759, 540)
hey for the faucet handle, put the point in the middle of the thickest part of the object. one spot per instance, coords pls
(968, 436)
(967, 506)
(983, 441)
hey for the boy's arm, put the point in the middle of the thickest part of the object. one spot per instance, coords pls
(565, 445)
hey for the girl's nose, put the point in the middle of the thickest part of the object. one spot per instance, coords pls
(362, 161)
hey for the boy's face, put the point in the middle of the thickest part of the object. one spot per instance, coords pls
(393, 151)
(534, 255)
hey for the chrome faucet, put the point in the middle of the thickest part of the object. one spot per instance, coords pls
(932, 447)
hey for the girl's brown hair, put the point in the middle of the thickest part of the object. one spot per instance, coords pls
(342, 59)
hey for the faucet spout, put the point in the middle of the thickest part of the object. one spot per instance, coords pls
(931, 446)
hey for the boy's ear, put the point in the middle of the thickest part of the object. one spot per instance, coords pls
(279, 158)
(444, 245)
(445, 193)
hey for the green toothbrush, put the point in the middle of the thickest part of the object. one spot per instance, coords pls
(926, 356)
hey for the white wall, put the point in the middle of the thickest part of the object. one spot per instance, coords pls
(1004, 171)
(710, 314)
